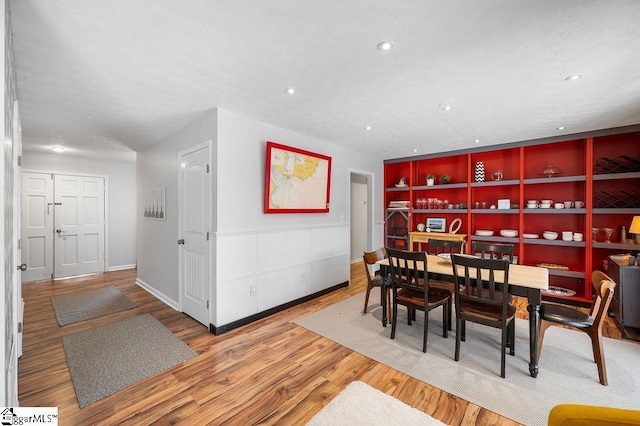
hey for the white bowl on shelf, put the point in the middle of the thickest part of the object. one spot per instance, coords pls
(484, 233)
(550, 235)
(510, 233)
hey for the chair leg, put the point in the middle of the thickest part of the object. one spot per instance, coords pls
(449, 321)
(446, 315)
(598, 354)
(426, 330)
(366, 297)
(512, 335)
(464, 330)
(543, 327)
(458, 335)
(393, 320)
(409, 316)
(503, 357)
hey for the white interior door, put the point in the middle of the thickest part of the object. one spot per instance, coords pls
(37, 226)
(79, 225)
(194, 220)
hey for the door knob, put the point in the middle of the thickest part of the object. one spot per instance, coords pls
(60, 231)
(181, 241)
(22, 267)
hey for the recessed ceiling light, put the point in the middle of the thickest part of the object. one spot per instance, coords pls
(367, 128)
(446, 107)
(290, 91)
(385, 45)
(476, 141)
(415, 149)
(561, 128)
(573, 77)
(58, 148)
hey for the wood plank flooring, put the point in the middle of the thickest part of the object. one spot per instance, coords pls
(268, 372)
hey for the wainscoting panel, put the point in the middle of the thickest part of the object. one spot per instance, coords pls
(272, 289)
(263, 270)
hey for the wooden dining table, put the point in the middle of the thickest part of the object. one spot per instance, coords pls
(525, 281)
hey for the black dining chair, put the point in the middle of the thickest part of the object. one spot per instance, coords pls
(479, 300)
(435, 246)
(492, 250)
(410, 287)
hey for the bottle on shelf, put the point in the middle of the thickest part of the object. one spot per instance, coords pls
(623, 235)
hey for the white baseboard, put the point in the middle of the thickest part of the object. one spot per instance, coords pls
(170, 302)
(121, 267)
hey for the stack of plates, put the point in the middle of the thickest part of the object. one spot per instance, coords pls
(530, 236)
(484, 233)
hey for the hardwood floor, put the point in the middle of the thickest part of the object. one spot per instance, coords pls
(268, 372)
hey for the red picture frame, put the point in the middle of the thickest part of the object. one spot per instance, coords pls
(296, 181)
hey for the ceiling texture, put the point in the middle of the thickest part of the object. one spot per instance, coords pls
(110, 77)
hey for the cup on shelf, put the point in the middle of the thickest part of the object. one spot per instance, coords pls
(568, 204)
(578, 236)
(546, 202)
(532, 204)
(497, 175)
(559, 206)
(545, 205)
(579, 204)
(567, 235)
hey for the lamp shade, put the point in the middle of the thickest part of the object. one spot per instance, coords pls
(635, 225)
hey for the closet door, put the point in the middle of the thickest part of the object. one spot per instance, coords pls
(37, 225)
(79, 225)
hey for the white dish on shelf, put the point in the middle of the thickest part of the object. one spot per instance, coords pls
(400, 186)
(445, 256)
(510, 233)
(550, 235)
(484, 233)
(531, 236)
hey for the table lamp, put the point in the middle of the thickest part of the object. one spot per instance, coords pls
(635, 228)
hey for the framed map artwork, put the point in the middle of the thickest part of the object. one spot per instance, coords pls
(296, 181)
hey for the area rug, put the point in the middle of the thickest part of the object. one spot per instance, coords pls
(104, 360)
(567, 371)
(86, 304)
(360, 404)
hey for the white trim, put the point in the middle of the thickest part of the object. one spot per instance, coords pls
(122, 267)
(167, 301)
(269, 231)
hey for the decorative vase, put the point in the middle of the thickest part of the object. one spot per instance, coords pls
(479, 171)
(430, 181)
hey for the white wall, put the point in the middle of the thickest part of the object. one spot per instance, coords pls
(157, 167)
(259, 261)
(121, 230)
(265, 260)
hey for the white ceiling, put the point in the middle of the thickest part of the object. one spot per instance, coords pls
(105, 77)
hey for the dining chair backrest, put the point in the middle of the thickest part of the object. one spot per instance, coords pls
(371, 257)
(408, 270)
(604, 288)
(478, 284)
(492, 250)
(435, 246)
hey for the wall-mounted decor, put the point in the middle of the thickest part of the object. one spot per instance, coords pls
(296, 181)
(154, 208)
